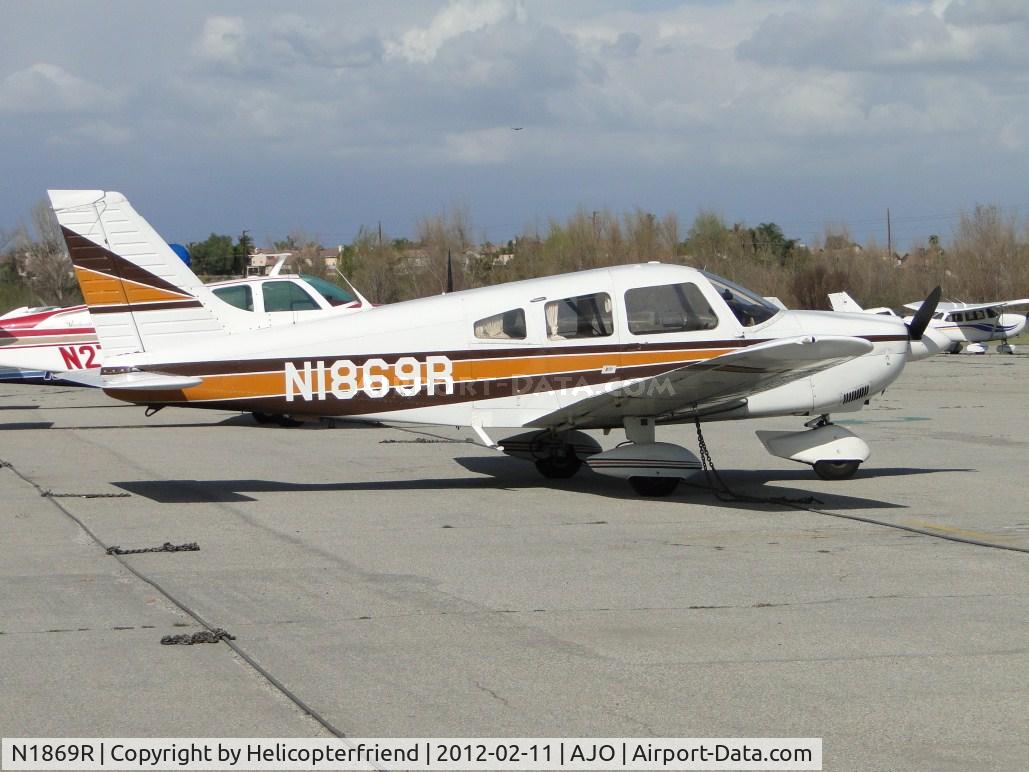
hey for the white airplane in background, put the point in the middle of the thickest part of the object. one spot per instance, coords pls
(970, 325)
(624, 348)
(48, 344)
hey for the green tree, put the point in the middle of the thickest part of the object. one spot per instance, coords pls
(708, 239)
(214, 256)
(769, 238)
(241, 253)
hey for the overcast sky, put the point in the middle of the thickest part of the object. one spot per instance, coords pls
(222, 116)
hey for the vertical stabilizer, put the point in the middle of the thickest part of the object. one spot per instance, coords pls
(140, 295)
(841, 301)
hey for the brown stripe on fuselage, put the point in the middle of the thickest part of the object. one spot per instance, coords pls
(262, 391)
(232, 385)
(123, 309)
(478, 374)
(522, 352)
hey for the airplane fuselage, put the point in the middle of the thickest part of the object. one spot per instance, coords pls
(506, 355)
(977, 325)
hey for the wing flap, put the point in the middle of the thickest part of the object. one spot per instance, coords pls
(717, 381)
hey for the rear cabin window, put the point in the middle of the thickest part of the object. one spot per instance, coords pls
(240, 296)
(286, 296)
(509, 325)
(584, 316)
(668, 308)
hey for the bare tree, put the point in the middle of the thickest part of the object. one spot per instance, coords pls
(46, 262)
(440, 235)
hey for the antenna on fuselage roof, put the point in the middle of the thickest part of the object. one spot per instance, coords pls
(450, 274)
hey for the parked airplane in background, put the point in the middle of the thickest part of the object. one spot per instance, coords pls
(52, 344)
(968, 324)
(621, 348)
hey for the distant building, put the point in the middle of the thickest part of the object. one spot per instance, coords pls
(260, 262)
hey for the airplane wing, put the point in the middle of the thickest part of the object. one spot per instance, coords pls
(971, 306)
(721, 380)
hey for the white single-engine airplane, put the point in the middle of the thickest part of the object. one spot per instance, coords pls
(971, 325)
(628, 347)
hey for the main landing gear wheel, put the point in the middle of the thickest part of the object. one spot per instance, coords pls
(275, 418)
(559, 467)
(836, 470)
(654, 486)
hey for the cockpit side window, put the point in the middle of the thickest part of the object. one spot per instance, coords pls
(286, 296)
(333, 293)
(584, 316)
(747, 306)
(510, 325)
(239, 296)
(668, 308)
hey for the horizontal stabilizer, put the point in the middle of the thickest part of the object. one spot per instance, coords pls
(90, 377)
(146, 381)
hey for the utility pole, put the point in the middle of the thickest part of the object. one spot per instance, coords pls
(889, 235)
(244, 251)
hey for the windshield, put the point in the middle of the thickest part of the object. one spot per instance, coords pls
(333, 293)
(749, 307)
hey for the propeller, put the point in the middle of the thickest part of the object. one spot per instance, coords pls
(916, 328)
(450, 274)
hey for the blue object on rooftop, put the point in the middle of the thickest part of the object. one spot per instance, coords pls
(182, 252)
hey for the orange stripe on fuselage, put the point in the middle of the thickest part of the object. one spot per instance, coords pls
(101, 289)
(235, 386)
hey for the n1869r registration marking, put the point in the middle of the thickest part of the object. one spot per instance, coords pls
(344, 379)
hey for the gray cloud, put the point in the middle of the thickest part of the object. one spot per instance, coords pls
(343, 111)
(49, 88)
(986, 12)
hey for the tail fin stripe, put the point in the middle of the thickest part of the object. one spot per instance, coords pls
(86, 254)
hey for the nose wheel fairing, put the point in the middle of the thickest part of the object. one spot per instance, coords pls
(834, 452)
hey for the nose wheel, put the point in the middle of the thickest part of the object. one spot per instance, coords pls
(836, 470)
(654, 487)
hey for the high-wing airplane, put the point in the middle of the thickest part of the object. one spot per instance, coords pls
(623, 348)
(971, 325)
(56, 344)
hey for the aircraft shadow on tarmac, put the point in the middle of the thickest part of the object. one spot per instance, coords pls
(25, 426)
(501, 473)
